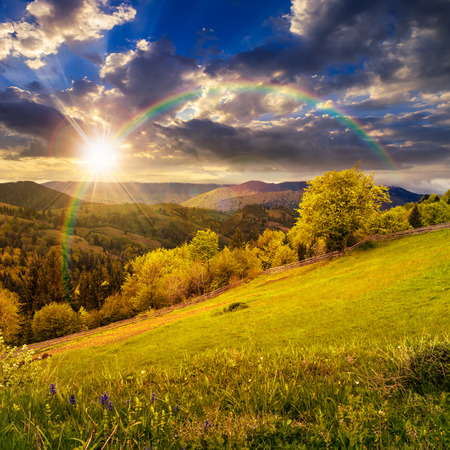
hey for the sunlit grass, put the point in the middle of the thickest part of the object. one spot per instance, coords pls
(376, 295)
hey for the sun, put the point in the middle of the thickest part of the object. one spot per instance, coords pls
(101, 157)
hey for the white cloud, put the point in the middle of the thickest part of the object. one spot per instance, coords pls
(50, 28)
(305, 14)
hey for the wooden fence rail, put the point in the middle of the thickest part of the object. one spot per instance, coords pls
(39, 346)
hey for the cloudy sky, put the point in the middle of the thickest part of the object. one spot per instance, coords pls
(226, 90)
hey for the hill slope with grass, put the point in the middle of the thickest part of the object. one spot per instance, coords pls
(347, 353)
(28, 194)
(379, 294)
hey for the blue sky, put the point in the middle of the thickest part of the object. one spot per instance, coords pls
(75, 72)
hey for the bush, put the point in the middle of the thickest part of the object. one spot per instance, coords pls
(14, 365)
(235, 306)
(428, 369)
(55, 320)
(115, 308)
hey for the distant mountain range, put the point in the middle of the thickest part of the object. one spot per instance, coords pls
(271, 195)
(233, 198)
(147, 193)
(56, 194)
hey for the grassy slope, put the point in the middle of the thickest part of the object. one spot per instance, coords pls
(371, 297)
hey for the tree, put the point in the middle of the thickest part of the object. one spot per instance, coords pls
(236, 240)
(272, 249)
(336, 205)
(204, 245)
(9, 316)
(415, 218)
(393, 220)
(434, 212)
(55, 320)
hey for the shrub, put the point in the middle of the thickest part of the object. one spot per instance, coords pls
(235, 306)
(55, 320)
(14, 365)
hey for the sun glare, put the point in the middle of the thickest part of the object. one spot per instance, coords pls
(101, 157)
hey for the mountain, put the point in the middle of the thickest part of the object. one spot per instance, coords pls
(271, 195)
(28, 194)
(133, 192)
(400, 196)
(233, 198)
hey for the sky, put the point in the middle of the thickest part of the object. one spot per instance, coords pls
(225, 91)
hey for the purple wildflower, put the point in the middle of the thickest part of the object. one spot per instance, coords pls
(72, 400)
(153, 397)
(104, 398)
(128, 402)
(52, 389)
(176, 409)
(207, 424)
(110, 405)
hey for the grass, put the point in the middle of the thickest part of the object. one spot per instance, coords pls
(342, 354)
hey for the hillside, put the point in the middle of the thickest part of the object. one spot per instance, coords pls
(28, 194)
(348, 353)
(355, 298)
(169, 225)
(272, 195)
(133, 192)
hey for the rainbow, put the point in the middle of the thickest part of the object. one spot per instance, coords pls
(166, 103)
(67, 233)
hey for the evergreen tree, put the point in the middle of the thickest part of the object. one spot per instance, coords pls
(415, 218)
(236, 240)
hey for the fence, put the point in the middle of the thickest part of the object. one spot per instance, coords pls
(376, 237)
(379, 237)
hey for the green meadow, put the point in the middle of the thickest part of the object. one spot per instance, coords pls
(348, 353)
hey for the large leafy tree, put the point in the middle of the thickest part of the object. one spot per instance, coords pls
(337, 205)
(204, 245)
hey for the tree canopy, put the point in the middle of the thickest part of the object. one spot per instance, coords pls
(337, 205)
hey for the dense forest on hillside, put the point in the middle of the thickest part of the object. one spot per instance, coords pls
(126, 259)
(105, 238)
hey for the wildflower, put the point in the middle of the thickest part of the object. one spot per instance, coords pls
(153, 397)
(176, 408)
(72, 400)
(104, 398)
(52, 389)
(128, 402)
(207, 424)
(110, 405)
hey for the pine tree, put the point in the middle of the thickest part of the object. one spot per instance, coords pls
(236, 240)
(415, 218)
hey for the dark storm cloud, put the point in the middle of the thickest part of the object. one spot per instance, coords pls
(354, 41)
(152, 72)
(311, 147)
(30, 118)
